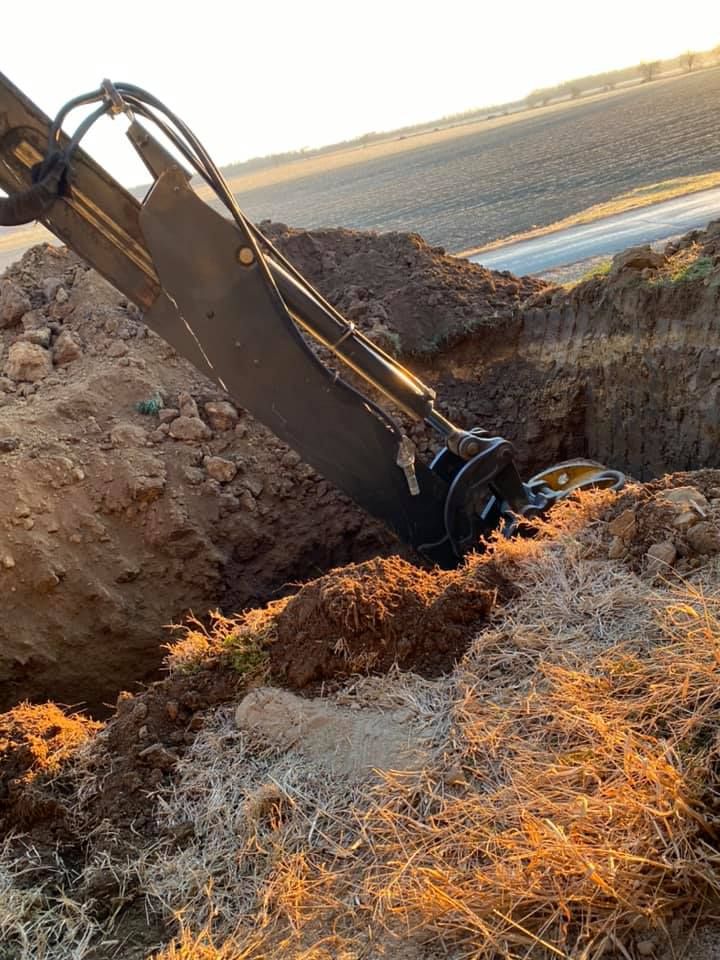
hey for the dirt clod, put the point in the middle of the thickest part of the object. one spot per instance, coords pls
(367, 617)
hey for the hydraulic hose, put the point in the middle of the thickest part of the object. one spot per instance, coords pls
(35, 201)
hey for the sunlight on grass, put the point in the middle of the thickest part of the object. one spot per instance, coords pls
(632, 200)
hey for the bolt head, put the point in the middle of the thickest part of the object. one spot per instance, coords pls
(246, 256)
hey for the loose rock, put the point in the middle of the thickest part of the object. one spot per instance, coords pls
(128, 435)
(187, 405)
(220, 469)
(221, 415)
(704, 538)
(661, 556)
(14, 302)
(189, 428)
(50, 287)
(39, 335)
(67, 348)
(27, 361)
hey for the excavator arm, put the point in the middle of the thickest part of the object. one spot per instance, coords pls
(227, 300)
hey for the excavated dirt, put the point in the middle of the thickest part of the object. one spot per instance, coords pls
(137, 493)
(365, 618)
(116, 523)
(408, 296)
(620, 369)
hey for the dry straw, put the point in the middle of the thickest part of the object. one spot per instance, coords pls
(565, 804)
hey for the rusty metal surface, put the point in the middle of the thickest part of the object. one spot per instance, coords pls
(99, 220)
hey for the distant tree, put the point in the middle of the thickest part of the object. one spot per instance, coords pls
(649, 69)
(541, 96)
(572, 90)
(688, 60)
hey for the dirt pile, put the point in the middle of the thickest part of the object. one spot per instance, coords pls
(410, 297)
(139, 491)
(367, 618)
(135, 492)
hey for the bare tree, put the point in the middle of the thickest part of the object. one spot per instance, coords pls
(688, 60)
(649, 69)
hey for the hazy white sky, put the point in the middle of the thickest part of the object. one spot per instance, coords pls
(258, 76)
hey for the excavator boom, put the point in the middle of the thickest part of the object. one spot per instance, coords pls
(229, 302)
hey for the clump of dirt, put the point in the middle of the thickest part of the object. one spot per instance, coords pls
(367, 617)
(668, 527)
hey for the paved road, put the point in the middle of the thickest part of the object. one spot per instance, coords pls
(607, 236)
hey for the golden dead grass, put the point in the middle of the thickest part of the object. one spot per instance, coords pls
(565, 803)
(36, 739)
(568, 806)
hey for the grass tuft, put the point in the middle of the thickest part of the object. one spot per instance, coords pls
(150, 407)
(697, 270)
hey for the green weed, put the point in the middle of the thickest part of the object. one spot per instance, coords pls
(697, 270)
(244, 652)
(150, 407)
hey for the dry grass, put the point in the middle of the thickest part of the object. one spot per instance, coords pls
(567, 806)
(38, 920)
(565, 803)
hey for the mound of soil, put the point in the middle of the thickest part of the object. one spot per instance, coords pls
(368, 617)
(139, 492)
(668, 527)
(406, 295)
(117, 521)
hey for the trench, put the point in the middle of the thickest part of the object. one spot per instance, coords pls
(627, 375)
(624, 372)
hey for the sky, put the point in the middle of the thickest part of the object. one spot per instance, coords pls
(253, 78)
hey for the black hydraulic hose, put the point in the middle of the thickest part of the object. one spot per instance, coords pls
(81, 101)
(35, 202)
(84, 127)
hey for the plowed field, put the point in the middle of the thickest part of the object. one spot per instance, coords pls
(501, 179)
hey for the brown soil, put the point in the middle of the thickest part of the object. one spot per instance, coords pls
(405, 294)
(365, 618)
(112, 528)
(116, 528)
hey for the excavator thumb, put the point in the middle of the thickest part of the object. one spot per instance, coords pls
(228, 301)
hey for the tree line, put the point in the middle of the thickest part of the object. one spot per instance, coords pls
(644, 72)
